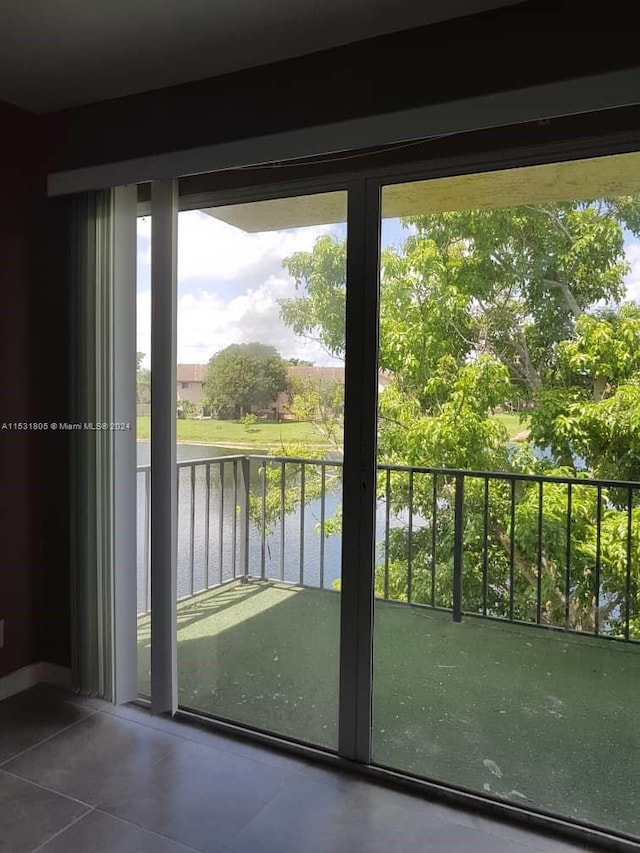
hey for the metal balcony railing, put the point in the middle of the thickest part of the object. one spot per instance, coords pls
(556, 552)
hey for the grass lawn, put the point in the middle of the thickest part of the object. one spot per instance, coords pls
(512, 423)
(265, 436)
(269, 436)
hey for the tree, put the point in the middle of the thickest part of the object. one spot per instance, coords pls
(143, 381)
(244, 376)
(508, 285)
(319, 401)
(509, 282)
(319, 315)
(478, 307)
(590, 408)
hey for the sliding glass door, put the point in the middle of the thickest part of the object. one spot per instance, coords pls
(143, 452)
(461, 603)
(507, 619)
(259, 409)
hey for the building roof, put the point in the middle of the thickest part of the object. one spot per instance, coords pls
(197, 373)
(191, 372)
(304, 371)
(330, 373)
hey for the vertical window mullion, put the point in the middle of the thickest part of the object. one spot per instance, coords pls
(164, 252)
(359, 484)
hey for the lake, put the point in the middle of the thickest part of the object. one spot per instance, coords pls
(222, 519)
(223, 523)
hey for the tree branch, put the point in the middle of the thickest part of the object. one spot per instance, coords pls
(561, 226)
(569, 298)
(529, 372)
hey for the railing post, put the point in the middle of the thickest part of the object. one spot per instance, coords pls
(147, 541)
(245, 485)
(457, 548)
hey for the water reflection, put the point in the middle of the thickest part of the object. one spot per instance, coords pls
(209, 556)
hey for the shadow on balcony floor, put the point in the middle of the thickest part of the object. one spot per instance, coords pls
(527, 715)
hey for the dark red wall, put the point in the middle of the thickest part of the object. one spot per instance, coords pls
(49, 351)
(34, 332)
(17, 580)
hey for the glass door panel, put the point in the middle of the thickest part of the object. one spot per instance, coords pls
(507, 615)
(143, 438)
(259, 407)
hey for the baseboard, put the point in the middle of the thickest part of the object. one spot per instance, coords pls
(35, 673)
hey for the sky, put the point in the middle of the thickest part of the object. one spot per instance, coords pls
(230, 281)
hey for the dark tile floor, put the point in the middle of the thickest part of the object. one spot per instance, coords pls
(81, 776)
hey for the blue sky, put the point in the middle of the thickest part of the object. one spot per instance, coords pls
(229, 283)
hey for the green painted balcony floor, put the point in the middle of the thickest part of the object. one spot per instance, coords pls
(524, 714)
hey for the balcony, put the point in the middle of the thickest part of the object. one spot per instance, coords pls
(488, 674)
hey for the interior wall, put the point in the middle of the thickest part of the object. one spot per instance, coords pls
(49, 332)
(34, 332)
(17, 581)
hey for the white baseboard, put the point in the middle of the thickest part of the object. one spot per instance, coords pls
(35, 673)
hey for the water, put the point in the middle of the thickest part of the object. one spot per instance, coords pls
(213, 561)
(207, 558)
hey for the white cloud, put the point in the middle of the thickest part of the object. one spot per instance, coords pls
(248, 310)
(206, 324)
(208, 247)
(632, 279)
(143, 326)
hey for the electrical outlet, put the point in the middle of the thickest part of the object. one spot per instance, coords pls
(1, 633)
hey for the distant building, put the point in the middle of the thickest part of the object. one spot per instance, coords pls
(190, 382)
(302, 373)
(329, 374)
(321, 375)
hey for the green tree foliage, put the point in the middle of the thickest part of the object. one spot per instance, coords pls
(509, 282)
(590, 407)
(187, 410)
(244, 376)
(319, 401)
(477, 308)
(143, 381)
(319, 314)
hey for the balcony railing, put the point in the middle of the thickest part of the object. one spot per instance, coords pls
(556, 552)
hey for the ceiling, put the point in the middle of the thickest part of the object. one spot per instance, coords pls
(55, 55)
(598, 177)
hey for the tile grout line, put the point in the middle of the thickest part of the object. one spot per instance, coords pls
(262, 808)
(61, 831)
(46, 788)
(29, 781)
(228, 750)
(89, 806)
(45, 740)
(139, 826)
